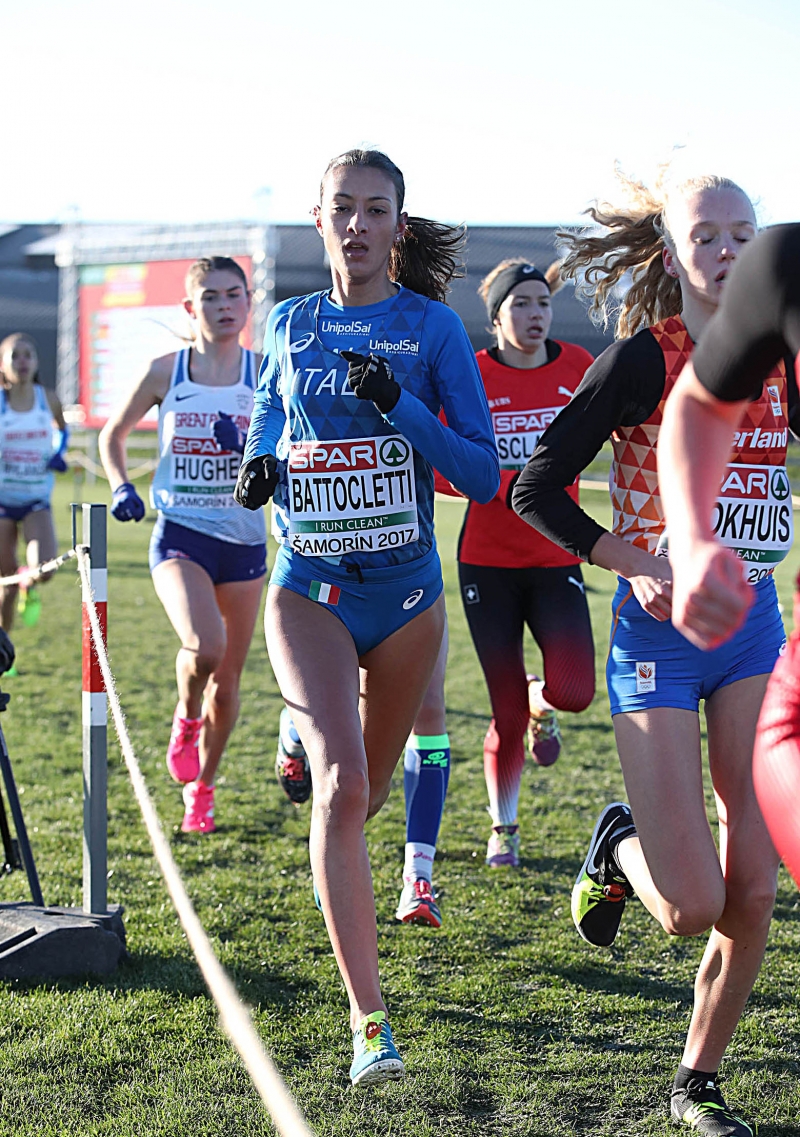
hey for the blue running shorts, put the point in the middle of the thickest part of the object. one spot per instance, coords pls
(650, 664)
(372, 603)
(225, 562)
(20, 512)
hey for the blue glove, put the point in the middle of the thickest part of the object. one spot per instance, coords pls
(228, 435)
(126, 505)
(58, 462)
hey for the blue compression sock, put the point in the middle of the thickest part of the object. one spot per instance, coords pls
(425, 777)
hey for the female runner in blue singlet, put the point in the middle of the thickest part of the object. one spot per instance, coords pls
(345, 434)
(208, 559)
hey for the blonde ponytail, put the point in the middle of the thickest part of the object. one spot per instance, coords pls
(631, 248)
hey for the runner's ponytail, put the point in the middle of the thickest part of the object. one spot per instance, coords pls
(629, 252)
(428, 257)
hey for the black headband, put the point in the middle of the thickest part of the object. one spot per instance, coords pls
(507, 279)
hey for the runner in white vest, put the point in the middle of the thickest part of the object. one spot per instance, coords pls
(207, 556)
(30, 450)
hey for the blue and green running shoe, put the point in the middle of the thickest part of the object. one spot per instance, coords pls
(602, 889)
(375, 1057)
(701, 1106)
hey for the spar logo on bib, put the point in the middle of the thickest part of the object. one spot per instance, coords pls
(351, 495)
(517, 434)
(395, 452)
(753, 513)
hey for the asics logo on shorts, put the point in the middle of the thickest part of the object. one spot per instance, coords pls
(413, 599)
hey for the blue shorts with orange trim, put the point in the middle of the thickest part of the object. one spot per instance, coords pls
(650, 664)
(372, 603)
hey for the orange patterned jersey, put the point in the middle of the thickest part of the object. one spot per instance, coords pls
(753, 513)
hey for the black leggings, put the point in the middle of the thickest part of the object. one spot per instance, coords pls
(498, 603)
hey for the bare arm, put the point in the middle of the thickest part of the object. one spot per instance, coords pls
(54, 404)
(148, 393)
(650, 577)
(711, 596)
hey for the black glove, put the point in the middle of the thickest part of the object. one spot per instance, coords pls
(7, 653)
(257, 481)
(370, 377)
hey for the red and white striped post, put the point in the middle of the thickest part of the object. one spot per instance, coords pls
(95, 720)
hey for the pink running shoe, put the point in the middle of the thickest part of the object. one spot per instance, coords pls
(199, 801)
(183, 756)
(544, 734)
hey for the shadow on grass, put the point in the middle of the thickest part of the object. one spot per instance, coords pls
(595, 977)
(179, 975)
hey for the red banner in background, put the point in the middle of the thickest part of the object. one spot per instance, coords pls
(129, 314)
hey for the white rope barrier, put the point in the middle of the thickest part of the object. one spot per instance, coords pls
(31, 574)
(234, 1016)
(76, 458)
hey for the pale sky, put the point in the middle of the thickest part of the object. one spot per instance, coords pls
(497, 111)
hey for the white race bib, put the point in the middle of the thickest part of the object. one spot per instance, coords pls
(517, 434)
(353, 495)
(753, 513)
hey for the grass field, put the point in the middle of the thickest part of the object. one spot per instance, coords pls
(509, 1024)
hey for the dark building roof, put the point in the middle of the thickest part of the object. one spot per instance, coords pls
(300, 267)
(29, 279)
(29, 293)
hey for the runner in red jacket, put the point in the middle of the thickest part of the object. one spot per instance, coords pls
(510, 575)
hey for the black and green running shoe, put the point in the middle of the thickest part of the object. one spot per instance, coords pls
(601, 890)
(701, 1106)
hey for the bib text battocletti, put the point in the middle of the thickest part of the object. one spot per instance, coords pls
(356, 486)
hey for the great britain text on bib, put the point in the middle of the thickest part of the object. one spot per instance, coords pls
(351, 495)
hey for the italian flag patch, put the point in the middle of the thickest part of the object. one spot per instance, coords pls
(324, 593)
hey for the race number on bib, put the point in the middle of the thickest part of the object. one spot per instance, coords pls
(356, 495)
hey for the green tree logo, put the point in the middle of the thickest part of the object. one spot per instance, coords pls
(394, 452)
(780, 485)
